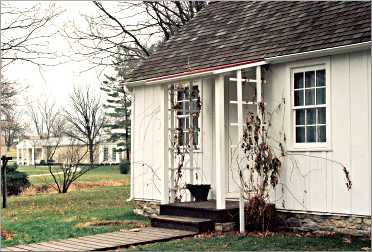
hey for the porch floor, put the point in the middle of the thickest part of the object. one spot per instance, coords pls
(205, 205)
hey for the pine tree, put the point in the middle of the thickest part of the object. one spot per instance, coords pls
(118, 103)
(118, 113)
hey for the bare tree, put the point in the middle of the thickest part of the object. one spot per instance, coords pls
(85, 118)
(12, 129)
(8, 93)
(23, 34)
(116, 33)
(67, 172)
(48, 122)
(45, 117)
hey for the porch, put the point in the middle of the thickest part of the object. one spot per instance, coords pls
(212, 137)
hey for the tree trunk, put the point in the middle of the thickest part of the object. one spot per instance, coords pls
(91, 152)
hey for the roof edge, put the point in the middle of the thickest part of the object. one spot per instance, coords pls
(202, 72)
(320, 52)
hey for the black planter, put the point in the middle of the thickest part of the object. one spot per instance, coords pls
(199, 192)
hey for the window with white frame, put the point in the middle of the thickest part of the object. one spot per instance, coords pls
(105, 153)
(113, 154)
(183, 114)
(310, 106)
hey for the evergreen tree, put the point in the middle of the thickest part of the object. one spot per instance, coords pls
(118, 103)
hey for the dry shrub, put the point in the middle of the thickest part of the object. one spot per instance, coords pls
(258, 213)
(33, 190)
(6, 235)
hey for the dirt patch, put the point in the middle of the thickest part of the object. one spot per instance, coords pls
(33, 190)
(6, 235)
(258, 234)
(79, 186)
(133, 224)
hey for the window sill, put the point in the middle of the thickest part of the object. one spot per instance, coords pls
(310, 149)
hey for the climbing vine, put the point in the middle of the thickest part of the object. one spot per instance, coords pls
(182, 138)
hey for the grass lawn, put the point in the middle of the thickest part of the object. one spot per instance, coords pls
(51, 216)
(100, 208)
(31, 170)
(250, 243)
(99, 174)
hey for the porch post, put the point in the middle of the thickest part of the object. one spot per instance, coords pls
(220, 141)
(164, 163)
(18, 155)
(28, 156)
(239, 89)
(32, 155)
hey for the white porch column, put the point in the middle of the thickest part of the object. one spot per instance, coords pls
(28, 156)
(239, 89)
(18, 156)
(220, 141)
(164, 148)
(32, 155)
(23, 156)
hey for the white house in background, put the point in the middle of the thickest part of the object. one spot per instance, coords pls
(314, 57)
(34, 151)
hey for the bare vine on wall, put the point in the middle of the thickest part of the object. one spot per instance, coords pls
(263, 155)
(261, 160)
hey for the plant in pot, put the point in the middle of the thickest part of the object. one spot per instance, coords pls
(259, 172)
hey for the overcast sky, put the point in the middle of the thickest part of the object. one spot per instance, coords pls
(57, 82)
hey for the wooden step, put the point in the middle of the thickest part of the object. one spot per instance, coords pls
(183, 223)
(203, 210)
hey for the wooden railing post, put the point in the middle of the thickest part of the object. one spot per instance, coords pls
(4, 161)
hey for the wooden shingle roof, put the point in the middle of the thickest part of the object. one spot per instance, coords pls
(232, 32)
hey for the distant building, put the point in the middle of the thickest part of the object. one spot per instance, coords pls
(33, 151)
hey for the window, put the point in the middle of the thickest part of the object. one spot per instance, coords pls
(105, 154)
(113, 154)
(310, 106)
(183, 115)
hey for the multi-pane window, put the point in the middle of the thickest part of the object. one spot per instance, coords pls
(183, 115)
(105, 154)
(309, 91)
(113, 154)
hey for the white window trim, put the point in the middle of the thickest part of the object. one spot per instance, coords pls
(302, 66)
(199, 147)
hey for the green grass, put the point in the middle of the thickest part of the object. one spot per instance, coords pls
(53, 216)
(102, 173)
(56, 216)
(31, 170)
(248, 243)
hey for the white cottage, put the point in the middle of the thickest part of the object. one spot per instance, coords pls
(314, 58)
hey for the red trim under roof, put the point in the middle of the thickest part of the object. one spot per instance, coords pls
(202, 70)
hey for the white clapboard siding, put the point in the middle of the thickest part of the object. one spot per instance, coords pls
(147, 180)
(323, 188)
(306, 183)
